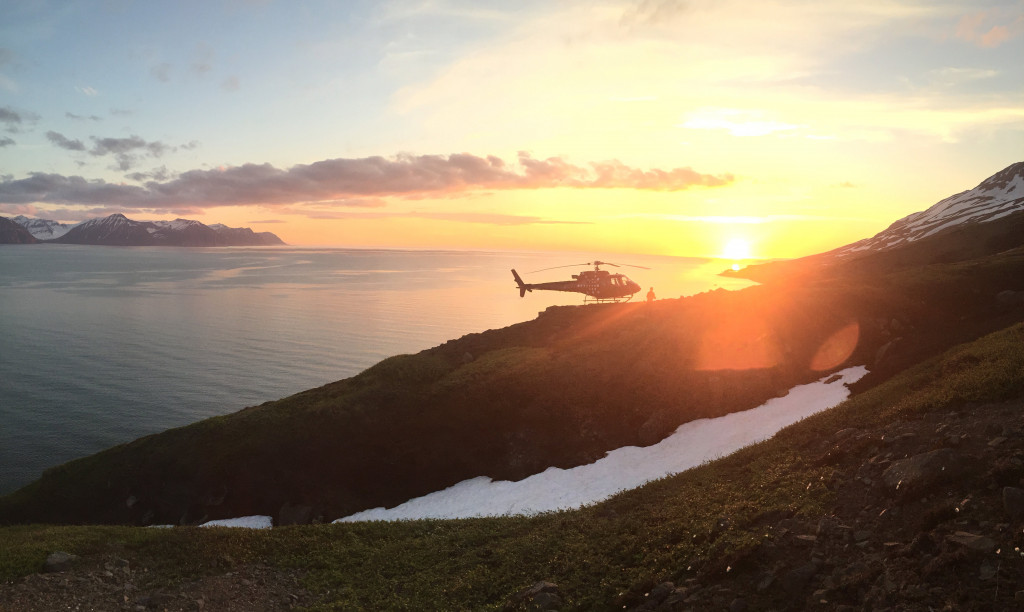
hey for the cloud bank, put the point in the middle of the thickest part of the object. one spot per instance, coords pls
(339, 180)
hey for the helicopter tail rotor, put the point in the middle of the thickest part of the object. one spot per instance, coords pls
(522, 286)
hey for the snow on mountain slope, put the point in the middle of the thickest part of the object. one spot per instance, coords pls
(178, 224)
(42, 229)
(118, 230)
(999, 195)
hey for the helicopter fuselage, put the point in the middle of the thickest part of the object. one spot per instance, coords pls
(599, 285)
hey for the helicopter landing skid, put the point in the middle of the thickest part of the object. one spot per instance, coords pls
(593, 300)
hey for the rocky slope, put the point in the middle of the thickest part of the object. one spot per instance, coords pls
(13, 233)
(929, 515)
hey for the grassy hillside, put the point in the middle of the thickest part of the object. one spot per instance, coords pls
(560, 390)
(792, 523)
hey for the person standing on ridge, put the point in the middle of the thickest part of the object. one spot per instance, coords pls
(650, 295)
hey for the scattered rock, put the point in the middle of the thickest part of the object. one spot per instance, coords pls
(972, 541)
(721, 525)
(58, 561)
(1013, 501)
(1010, 298)
(842, 434)
(546, 601)
(542, 595)
(796, 580)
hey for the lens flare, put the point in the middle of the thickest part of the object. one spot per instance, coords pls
(837, 348)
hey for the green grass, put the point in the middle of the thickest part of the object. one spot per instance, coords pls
(602, 557)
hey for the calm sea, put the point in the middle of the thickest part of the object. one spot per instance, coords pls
(101, 345)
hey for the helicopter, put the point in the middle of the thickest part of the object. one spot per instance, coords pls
(596, 285)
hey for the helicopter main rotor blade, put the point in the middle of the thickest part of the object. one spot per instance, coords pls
(608, 263)
(557, 267)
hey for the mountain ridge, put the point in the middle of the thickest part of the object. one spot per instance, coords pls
(973, 223)
(13, 233)
(119, 230)
(997, 196)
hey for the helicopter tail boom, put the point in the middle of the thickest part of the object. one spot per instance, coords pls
(523, 288)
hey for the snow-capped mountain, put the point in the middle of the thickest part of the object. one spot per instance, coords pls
(998, 196)
(182, 232)
(118, 230)
(115, 230)
(42, 229)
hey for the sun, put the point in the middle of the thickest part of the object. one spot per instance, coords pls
(736, 249)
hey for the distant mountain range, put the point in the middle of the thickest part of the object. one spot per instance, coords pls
(118, 230)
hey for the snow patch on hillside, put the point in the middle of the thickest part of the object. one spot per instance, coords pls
(248, 522)
(692, 444)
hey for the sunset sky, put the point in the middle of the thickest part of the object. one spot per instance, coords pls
(775, 128)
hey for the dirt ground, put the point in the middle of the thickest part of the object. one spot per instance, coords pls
(114, 583)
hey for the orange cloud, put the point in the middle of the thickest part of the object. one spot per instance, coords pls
(977, 27)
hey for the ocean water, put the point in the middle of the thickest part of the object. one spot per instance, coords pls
(102, 345)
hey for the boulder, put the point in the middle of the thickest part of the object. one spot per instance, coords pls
(914, 475)
(797, 579)
(294, 515)
(542, 595)
(1010, 298)
(1013, 502)
(656, 428)
(58, 561)
(972, 541)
